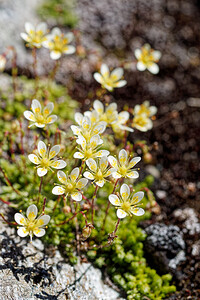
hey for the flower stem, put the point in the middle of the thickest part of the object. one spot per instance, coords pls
(74, 215)
(8, 181)
(93, 198)
(44, 204)
(9, 223)
(108, 206)
(116, 227)
(55, 69)
(34, 54)
(40, 188)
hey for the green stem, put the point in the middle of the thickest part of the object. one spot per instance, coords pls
(93, 198)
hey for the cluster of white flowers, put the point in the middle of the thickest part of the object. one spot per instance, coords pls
(57, 42)
(142, 116)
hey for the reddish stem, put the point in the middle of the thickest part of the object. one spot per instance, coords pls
(8, 181)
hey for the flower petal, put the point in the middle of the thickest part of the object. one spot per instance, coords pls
(81, 141)
(98, 106)
(100, 128)
(76, 130)
(101, 153)
(41, 172)
(153, 68)
(98, 78)
(123, 117)
(95, 141)
(20, 219)
(103, 163)
(69, 36)
(78, 155)
(22, 232)
(121, 213)
(134, 161)
(54, 151)
(42, 149)
(117, 74)
(123, 157)
(39, 232)
(32, 212)
(77, 196)
(39, 125)
(141, 66)
(29, 115)
(34, 159)
(112, 160)
(24, 36)
(132, 174)
(58, 164)
(56, 31)
(137, 53)
(48, 109)
(62, 177)
(120, 83)
(36, 106)
(69, 49)
(58, 190)
(105, 70)
(43, 220)
(86, 123)
(116, 175)
(125, 191)
(74, 174)
(156, 54)
(29, 27)
(137, 197)
(91, 163)
(138, 211)
(100, 182)
(55, 54)
(41, 27)
(78, 118)
(109, 172)
(88, 175)
(114, 200)
(81, 183)
(51, 119)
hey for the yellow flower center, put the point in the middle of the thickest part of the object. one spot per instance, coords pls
(144, 110)
(69, 187)
(88, 153)
(45, 162)
(147, 57)
(99, 175)
(31, 225)
(126, 206)
(122, 170)
(140, 120)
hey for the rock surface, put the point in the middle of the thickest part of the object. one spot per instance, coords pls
(27, 273)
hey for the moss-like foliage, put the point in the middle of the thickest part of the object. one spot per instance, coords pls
(61, 11)
(124, 259)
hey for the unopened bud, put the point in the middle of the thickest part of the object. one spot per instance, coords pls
(66, 209)
(86, 232)
(147, 158)
(2, 63)
(80, 50)
(15, 126)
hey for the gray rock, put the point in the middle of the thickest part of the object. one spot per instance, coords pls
(27, 273)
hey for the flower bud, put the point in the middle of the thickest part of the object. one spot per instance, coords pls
(15, 126)
(147, 158)
(66, 209)
(87, 229)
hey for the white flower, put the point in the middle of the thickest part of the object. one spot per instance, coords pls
(34, 36)
(86, 128)
(90, 149)
(145, 108)
(38, 117)
(125, 203)
(2, 63)
(119, 124)
(71, 186)
(142, 122)
(44, 160)
(110, 81)
(147, 59)
(98, 173)
(58, 43)
(124, 166)
(31, 225)
(109, 115)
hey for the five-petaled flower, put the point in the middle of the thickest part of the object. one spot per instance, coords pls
(58, 43)
(90, 149)
(98, 173)
(71, 185)
(86, 128)
(126, 204)
(109, 80)
(34, 36)
(119, 124)
(44, 160)
(31, 225)
(142, 116)
(124, 166)
(38, 117)
(109, 115)
(147, 59)
(145, 108)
